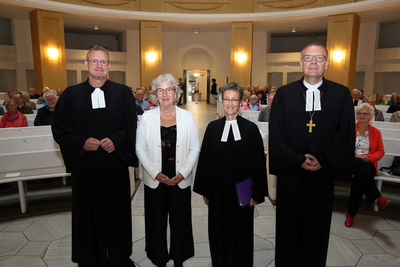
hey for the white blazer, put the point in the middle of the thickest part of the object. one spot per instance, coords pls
(148, 146)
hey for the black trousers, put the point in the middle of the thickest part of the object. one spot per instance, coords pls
(362, 183)
(160, 203)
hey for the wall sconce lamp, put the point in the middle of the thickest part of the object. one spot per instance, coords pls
(196, 75)
(151, 56)
(52, 53)
(338, 55)
(240, 57)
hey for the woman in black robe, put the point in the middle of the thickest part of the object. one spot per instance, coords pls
(229, 156)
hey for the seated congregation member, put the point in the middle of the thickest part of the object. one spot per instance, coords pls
(394, 103)
(221, 166)
(253, 104)
(245, 100)
(2, 112)
(167, 146)
(9, 95)
(378, 114)
(140, 100)
(395, 117)
(262, 98)
(26, 101)
(368, 150)
(356, 94)
(264, 113)
(379, 98)
(394, 99)
(24, 109)
(41, 99)
(13, 118)
(33, 94)
(45, 114)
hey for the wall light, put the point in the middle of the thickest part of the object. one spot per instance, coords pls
(52, 53)
(338, 55)
(293, 29)
(151, 56)
(240, 57)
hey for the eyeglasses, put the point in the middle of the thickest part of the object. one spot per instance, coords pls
(95, 62)
(161, 91)
(318, 58)
(362, 114)
(233, 100)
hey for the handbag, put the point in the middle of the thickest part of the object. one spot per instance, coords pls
(395, 168)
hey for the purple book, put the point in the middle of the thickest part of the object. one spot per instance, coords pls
(244, 192)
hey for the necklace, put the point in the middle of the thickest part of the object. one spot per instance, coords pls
(168, 117)
(310, 124)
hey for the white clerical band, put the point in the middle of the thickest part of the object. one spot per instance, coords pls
(98, 100)
(313, 96)
(235, 129)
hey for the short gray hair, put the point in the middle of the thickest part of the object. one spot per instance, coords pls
(253, 97)
(49, 93)
(366, 106)
(233, 86)
(167, 78)
(98, 48)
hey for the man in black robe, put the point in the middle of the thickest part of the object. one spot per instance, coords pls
(95, 125)
(311, 141)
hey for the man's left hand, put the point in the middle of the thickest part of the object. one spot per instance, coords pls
(107, 145)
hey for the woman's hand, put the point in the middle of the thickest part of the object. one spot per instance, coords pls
(253, 203)
(175, 180)
(162, 178)
(364, 157)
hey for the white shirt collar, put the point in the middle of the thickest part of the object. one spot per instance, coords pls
(235, 129)
(313, 96)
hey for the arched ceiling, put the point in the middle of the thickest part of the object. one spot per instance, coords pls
(82, 18)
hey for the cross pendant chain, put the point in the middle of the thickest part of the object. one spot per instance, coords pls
(310, 124)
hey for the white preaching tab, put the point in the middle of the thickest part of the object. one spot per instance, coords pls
(313, 96)
(235, 129)
(98, 100)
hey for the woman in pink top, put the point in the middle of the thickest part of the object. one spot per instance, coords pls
(13, 118)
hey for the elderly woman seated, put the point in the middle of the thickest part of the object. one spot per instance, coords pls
(368, 150)
(13, 118)
(253, 105)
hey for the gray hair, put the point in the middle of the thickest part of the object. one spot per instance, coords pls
(366, 106)
(246, 93)
(315, 44)
(97, 48)
(253, 97)
(233, 86)
(164, 78)
(49, 93)
(8, 101)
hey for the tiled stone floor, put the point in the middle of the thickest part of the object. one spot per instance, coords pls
(373, 241)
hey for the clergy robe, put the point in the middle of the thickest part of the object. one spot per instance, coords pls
(304, 198)
(101, 210)
(221, 166)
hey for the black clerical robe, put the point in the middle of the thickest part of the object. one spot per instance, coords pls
(220, 167)
(304, 198)
(101, 210)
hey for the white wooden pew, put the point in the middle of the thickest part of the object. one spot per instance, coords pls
(386, 125)
(32, 155)
(24, 131)
(390, 133)
(251, 115)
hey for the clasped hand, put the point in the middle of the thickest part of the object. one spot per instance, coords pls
(92, 144)
(171, 182)
(311, 163)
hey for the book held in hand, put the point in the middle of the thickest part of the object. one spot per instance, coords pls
(244, 192)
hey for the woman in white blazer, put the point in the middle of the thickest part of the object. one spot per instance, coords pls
(167, 146)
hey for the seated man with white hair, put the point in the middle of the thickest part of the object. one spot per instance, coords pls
(356, 97)
(45, 114)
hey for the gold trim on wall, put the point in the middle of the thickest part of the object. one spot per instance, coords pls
(109, 2)
(186, 6)
(287, 6)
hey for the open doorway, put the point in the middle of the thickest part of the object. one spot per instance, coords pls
(197, 84)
